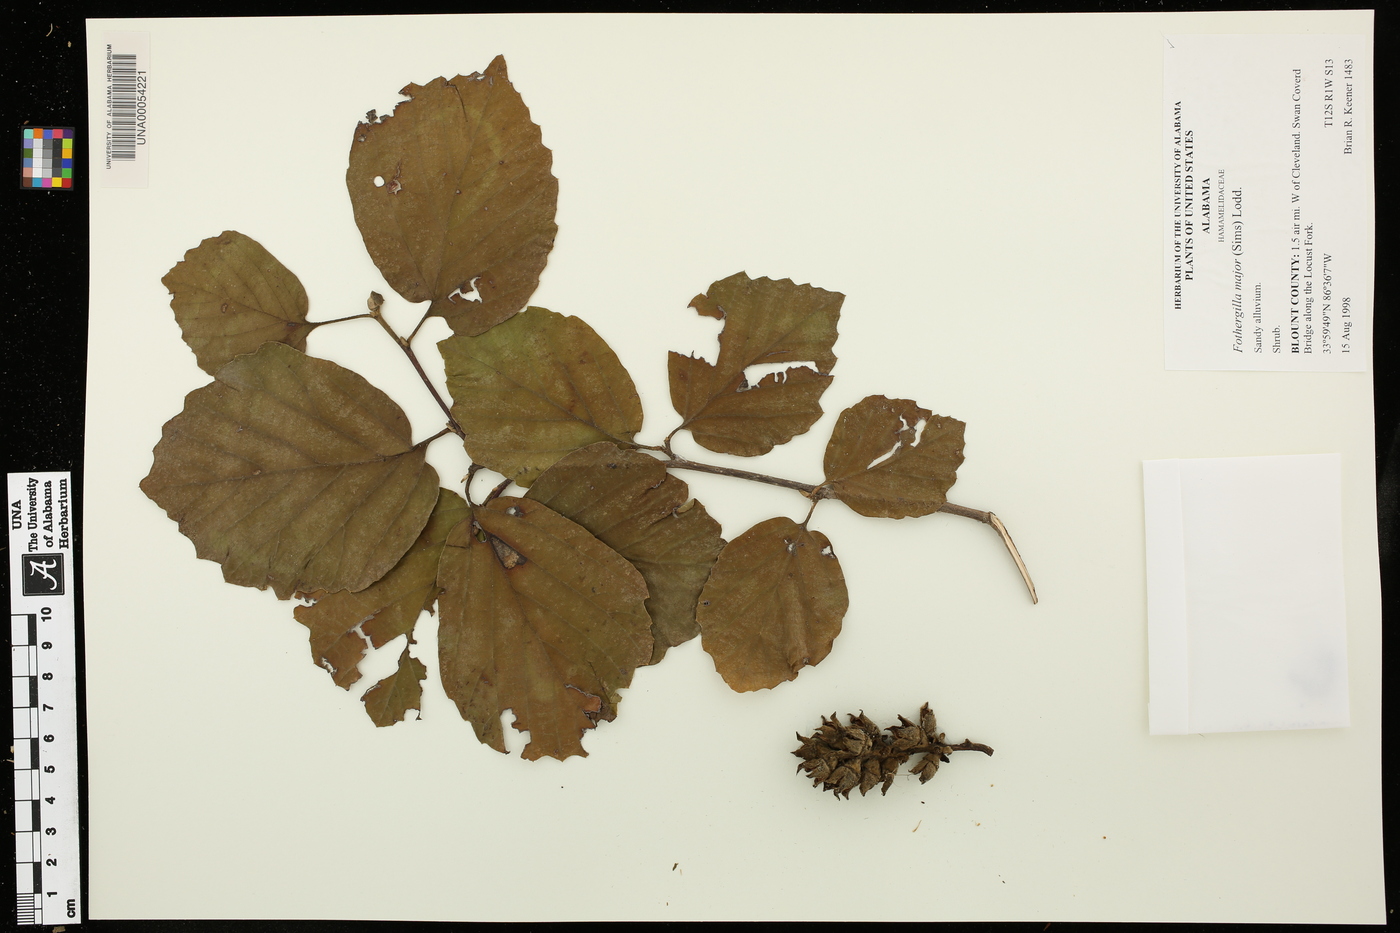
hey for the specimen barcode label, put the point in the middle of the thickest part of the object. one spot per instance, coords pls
(43, 677)
(125, 110)
(121, 105)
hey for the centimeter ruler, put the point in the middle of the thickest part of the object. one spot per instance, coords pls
(48, 853)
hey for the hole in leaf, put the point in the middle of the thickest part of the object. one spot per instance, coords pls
(899, 444)
(757, 372)
(509, 557)
(919, 431)
(379, 181)
(466, 291)
(379, 662)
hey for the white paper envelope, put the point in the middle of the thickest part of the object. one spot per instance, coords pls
(1246, 613)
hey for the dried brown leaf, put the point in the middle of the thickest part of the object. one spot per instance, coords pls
(531, 390)
(773, 604)
(889, 458)
(341, 622)
(454, 197)
(765, 322)
(633, 505)
(230, 296)
(293, 473)
(388, 701)
(553, 632)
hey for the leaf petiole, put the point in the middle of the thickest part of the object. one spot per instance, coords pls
(403, 345)
(419, 326)
(425, 442)
(497, 490)
(337, 320)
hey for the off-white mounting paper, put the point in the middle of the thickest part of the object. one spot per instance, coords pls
(1269, 220)
(986, 193)
(1246, 603)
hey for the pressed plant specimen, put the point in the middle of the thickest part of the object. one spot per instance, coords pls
(298, 475)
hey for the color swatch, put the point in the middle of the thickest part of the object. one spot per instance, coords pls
(46, 157)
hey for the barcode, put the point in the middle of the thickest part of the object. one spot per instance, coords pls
(122, 95)
(124, 121)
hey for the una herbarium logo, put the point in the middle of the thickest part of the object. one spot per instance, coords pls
(42, 574)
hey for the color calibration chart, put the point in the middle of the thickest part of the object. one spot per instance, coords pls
(46, 157)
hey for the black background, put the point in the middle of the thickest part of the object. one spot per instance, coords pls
(44, 242)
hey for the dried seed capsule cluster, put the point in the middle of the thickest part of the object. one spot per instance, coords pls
(861, 754)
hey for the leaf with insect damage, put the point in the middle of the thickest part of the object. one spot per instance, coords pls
(889, 458)
(531, 390)
(454, 197)
(293, 473)
(765, 322)
(637, 508)
(773, 604)
(230, 296)
(340, 623)
(540, 617)
(388, 701)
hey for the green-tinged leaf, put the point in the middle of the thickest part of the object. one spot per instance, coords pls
(889, 458)
(341, 622)
(293, 473)
(773, 604)
(765, 322)
(531, 390)
(454, 197)
(540, 617)
(633, 505)
(388, 701)
(231, 296)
